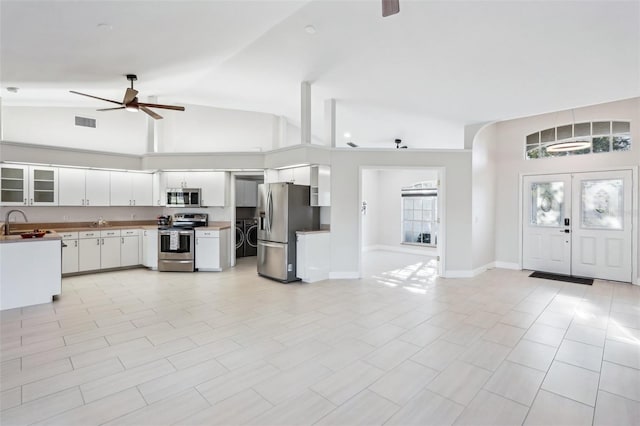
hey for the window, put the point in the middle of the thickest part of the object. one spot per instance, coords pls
(420, 214)
(595, 137)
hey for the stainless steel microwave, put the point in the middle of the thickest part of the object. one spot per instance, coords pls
(183, 197)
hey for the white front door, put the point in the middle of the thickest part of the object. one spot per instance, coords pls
(579, 224)
(601, 228)
(547, 207)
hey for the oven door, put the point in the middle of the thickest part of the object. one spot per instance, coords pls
(180, 247)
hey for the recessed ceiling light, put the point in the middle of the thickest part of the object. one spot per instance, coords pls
(310, 29)
(347, 135)
(12, 89)
(105, 27)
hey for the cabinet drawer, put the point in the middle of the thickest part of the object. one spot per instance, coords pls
(129, 232)
(110, 233)
(89, 234)
(209, 234)
(69, 235)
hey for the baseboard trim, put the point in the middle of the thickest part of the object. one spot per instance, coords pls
(507, 265)
(637, 281)
(469, 273)
(427, 251)
(344, 275)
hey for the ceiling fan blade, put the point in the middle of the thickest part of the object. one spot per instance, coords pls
(151, 113)
(109, 109)
(390, 7)
(173, 107)
(95, 97)
(129, 95)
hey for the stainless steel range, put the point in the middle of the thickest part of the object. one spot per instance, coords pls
(176, 244)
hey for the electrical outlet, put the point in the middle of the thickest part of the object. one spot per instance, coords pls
(133, 216)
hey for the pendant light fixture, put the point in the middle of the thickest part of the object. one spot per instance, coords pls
(573, 144)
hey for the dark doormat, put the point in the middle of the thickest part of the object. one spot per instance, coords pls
(556, 277)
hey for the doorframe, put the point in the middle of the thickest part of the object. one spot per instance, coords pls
(440, 248)
(232, 203)
(635, 196)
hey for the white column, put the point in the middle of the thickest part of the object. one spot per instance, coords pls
(305, 112)
(330, 122)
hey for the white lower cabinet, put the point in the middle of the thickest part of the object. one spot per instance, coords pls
(70, 250)
(150, 248)
(129, 247)
(212, 250)
(89, 251)
(110, 249)
(312, 256)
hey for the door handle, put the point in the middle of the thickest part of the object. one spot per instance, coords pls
(565, 231)
(64, 245)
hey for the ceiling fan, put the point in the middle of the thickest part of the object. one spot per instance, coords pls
(390, 7)
(130, 101)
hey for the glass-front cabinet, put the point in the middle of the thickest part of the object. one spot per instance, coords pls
(22, 185)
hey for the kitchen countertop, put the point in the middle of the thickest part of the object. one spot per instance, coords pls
(216, 226)
(313, 231)
(18, 239)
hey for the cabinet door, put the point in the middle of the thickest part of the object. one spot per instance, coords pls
(110, 252)
(97, 188)
(89, 254)
(150, 248)
(142, 189)
(14, 185)
(159, 190)
(251, 194)
(129, 251)
(120, 189)
(240, 193)
(207, 253)
(302, 175)
(71, 187)
(285, 175)
(43, 186)
(70, 256)
(174, 179)
(215, 191)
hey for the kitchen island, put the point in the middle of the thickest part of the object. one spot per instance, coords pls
(30, 270)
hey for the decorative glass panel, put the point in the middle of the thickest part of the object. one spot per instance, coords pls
(622, 143)
(602, 205)
(533, 139)
(548, 135)
(601, 144)
(621, 127)
(582, 129)
(547, 203)
(565, 132)
(602, 128)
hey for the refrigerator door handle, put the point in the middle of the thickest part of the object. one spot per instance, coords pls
(269, 210)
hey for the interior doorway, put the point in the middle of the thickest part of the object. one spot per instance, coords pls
(244, 215)
(579, 224)
(401, 225)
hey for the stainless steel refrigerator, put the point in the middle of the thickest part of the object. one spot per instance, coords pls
(283, 209)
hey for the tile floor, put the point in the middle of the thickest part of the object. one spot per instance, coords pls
(399, 347)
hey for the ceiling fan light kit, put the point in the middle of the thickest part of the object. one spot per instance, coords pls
(390, 7)
(130, 101)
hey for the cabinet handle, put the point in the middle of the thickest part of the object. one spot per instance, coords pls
(122, 240)
(31, 201)
(83, 201)
(102, 241)
(75, 243)
(98, 241)
(87, 202)
(134, 202)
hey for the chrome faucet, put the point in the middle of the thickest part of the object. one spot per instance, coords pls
(6, 219)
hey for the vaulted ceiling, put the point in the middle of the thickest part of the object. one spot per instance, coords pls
(435, 65)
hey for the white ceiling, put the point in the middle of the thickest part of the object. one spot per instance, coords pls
(416, 75)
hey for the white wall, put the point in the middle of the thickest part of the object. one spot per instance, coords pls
(370, 221)
(483, 194)
(208, 129)
(509, 148)
(345, 202)
(116, 131)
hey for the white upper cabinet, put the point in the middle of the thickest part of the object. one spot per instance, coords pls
(246, 193)
(159, 189)
(212, 184)
(71, 187)
(301, 175)
(22, 185)
(80, 187)
(320, 186)
(142, 189)
(97, 188)
(131, 189)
